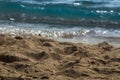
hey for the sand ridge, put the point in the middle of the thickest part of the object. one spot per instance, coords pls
(38, 58)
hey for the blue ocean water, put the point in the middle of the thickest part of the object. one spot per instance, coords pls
(74, 19)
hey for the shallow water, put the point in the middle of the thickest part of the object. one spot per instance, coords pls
(63, 33)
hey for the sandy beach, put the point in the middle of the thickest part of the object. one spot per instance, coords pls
(38, 58)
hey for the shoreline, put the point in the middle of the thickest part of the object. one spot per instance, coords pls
(38, 58)
(75, 34)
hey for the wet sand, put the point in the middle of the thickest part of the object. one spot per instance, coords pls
(38, 58)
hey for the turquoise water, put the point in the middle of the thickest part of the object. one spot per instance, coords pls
(78, 20)
(73, 12)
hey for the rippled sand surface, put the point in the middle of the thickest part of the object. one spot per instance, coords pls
(38, 58)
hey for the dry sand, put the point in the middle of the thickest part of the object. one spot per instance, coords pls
(38, 58)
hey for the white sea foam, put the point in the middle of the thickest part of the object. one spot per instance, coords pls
(108, 3)
(63, 33)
